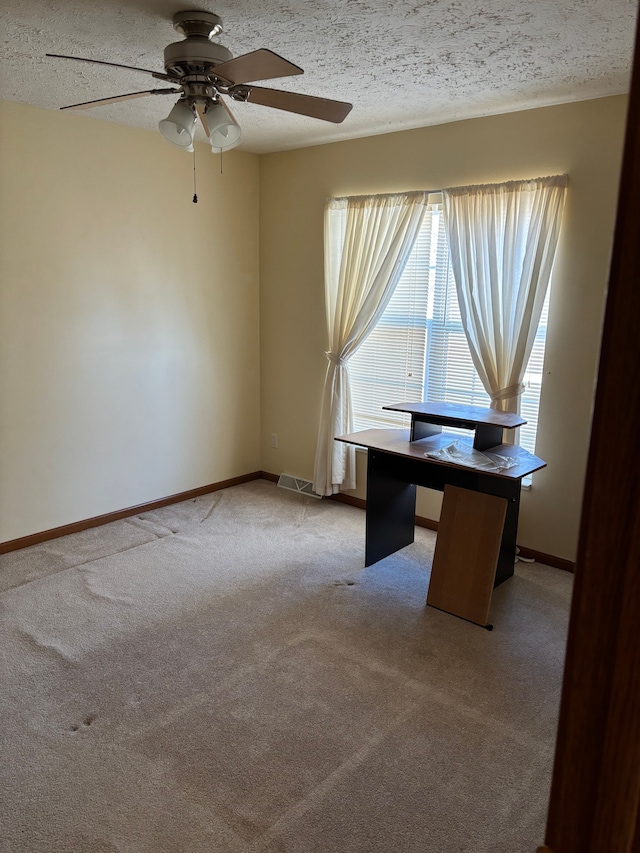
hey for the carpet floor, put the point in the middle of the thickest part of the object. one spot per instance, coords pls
(224, 675)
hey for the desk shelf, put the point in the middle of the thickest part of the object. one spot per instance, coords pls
(427, 419)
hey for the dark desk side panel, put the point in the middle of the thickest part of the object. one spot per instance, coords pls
(391, 511)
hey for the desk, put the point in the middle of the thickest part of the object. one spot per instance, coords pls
(476, 544)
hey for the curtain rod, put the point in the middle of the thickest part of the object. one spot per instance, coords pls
(405, 193)
(561, 180)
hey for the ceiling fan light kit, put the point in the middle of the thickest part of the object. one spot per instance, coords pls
(204, 71)
(178, 127)
(224, 131)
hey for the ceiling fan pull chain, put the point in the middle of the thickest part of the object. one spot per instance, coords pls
(221, 161)
(195, 197)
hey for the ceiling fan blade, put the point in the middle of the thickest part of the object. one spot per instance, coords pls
(229, 113)
(156, 74)
(260, 64)
(293, 102)
(203, 119)
(88, 104)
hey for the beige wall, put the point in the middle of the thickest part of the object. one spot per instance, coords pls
(129, 318)
(582, 139)
(129, 325)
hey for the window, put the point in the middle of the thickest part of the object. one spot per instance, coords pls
(418, 350)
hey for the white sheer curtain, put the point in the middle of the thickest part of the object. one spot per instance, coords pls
(502, 240)
(367, 242)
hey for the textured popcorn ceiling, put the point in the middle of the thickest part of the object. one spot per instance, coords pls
(407, 64)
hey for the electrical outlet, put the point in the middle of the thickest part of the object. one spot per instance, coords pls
(273, 440)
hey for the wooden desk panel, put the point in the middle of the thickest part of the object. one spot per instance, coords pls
(466, 555)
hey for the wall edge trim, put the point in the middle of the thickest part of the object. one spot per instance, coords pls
(431, 524)
(117, 515)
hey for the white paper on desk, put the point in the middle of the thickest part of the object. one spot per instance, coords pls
(460, 453)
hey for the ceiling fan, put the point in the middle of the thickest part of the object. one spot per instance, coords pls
(202, 71)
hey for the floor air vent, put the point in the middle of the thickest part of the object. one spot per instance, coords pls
(295, 484)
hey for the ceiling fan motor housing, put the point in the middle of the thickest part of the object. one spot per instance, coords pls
(197, 23)
(197, 52)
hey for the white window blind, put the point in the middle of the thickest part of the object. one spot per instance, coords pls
(389, 367)
(418, 350)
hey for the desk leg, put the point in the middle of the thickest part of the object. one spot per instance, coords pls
(507, 556)
(391, 513)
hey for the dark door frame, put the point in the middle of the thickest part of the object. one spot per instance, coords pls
(595, 793)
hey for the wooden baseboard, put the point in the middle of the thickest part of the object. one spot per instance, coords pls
(548, 559)
(350, 500)
(429, 523)
(96, 521)
(432, 524)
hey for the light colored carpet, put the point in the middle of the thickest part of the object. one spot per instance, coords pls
(224, 675)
